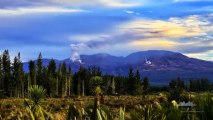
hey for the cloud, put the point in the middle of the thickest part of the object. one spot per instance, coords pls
(187, 35)
(129, 12)
(191, 0)
(107, 28)
(205, 55)
(73, 3)
(37, 10)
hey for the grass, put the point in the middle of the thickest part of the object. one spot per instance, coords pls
(58, 107)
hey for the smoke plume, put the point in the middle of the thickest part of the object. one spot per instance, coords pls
(75, 57)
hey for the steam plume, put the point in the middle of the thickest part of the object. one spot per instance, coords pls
(75, 57)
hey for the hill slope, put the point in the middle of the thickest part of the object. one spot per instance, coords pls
(160, 66)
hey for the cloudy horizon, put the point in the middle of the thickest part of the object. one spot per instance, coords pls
(57, 27)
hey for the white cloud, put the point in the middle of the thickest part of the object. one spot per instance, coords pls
(37, 10)
(189, 0)
(129, 12)
(206, 55)
(192, 34)
(101, 3)
(118, 3)
(87, 38)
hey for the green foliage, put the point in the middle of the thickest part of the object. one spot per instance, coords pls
(122, 114)
(39, 67)
(134, 84)
(205, 103)
(17, 76)
(73, 113)
(200, 85)
(173, 113)
(6, 71)
(32, 73)
(177, 87)
(37, 95)
(96, 83)
(146, 84)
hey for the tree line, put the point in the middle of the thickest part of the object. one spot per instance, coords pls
(59, 81)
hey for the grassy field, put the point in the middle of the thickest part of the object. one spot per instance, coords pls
(58, 107)
(136, 107)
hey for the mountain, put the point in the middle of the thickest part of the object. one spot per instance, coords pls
(159, 65)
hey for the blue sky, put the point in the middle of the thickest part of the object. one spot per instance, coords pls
(61, 28)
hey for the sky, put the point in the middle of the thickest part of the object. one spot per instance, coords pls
(62, 28)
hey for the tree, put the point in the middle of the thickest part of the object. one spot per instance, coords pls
(131, 82)
(32, 72)
(177, 87)
(120, 84)
(63, 79)
(69, 81)
(6, 70)
(18, 77)
(46, 83)
(146, 83)
(52, 78)
(39, 70)
(138, 87)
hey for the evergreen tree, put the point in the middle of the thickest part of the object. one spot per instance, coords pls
(52, 68)
(18, 75)
(32, 73)
(69, 81)
(131, 82)
(39, 70)
(146, 84)
(21, 76)
(64, 80)
(6, 70)
(52, 78)
(138, 88)
(59, 80)
(120, 84)
(46, 82)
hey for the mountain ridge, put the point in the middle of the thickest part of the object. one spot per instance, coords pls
(159, 65)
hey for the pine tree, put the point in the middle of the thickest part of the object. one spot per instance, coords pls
(32, 73)
(52, 68)
(21, 76)
(39, 70)
(6, 70)
(64, 79)
(57, 87)
(59, 80)
(69, 81)
(138, 84)
(52, 78)
(18, 75)
(131, 82)
(145, 84)
(46, 83)
(29, 84)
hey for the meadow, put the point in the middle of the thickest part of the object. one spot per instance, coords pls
(144, 107)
